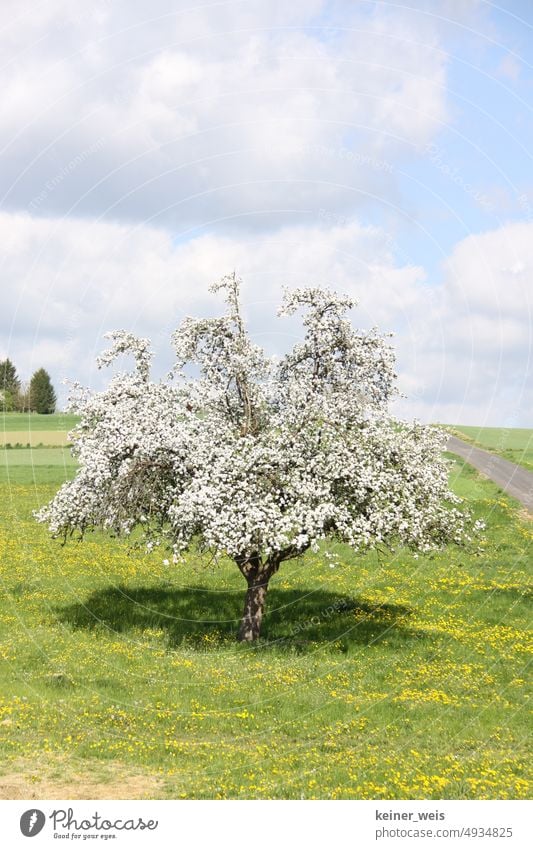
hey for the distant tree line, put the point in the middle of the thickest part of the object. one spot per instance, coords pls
(37, 396)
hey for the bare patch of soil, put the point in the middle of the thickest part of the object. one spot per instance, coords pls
(60, 779)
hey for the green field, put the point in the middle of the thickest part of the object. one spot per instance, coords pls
(21, 429)
(35, 422)
(385, 677)
(515, 444)
(39, 465)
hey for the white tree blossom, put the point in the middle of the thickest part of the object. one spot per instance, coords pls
(258, 459)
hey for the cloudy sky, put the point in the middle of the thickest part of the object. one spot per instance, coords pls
(382, 148)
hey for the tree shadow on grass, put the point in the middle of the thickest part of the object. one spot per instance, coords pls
(515, 593)
(511, 604)
(199, 617)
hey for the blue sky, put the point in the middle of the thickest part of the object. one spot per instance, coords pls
(379, 148)
(472, 174)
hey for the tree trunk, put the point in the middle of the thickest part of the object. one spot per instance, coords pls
(250, 626)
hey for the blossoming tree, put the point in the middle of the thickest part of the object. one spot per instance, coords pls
(257, 459)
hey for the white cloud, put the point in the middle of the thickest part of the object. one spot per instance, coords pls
(472, 350)
(149, 148)
(493, 272)
(235, 109)
(77, 279)
(458, 351)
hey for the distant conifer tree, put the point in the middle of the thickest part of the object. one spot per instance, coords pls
(42, 394)
(9, 385)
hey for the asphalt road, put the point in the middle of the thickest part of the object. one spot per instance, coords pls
(513, 479)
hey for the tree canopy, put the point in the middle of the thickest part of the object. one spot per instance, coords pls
(9, 385)
(254, 458)
(42, 397)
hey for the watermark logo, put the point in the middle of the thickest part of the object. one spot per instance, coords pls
(32, 822)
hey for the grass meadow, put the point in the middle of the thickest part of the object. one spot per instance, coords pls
(514, 444)
(386, 677)
(32, 429)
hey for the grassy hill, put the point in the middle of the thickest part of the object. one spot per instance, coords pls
(515, 444)
(385, 677)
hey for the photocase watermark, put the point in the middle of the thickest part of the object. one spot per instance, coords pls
(32, 822)
(351, 157)
(332, 218)
(511, 421)
(66, 825)
(525, 205)
(437, 157)
(343, 605)
(51, 185)
(399, 252)
(65, 819)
